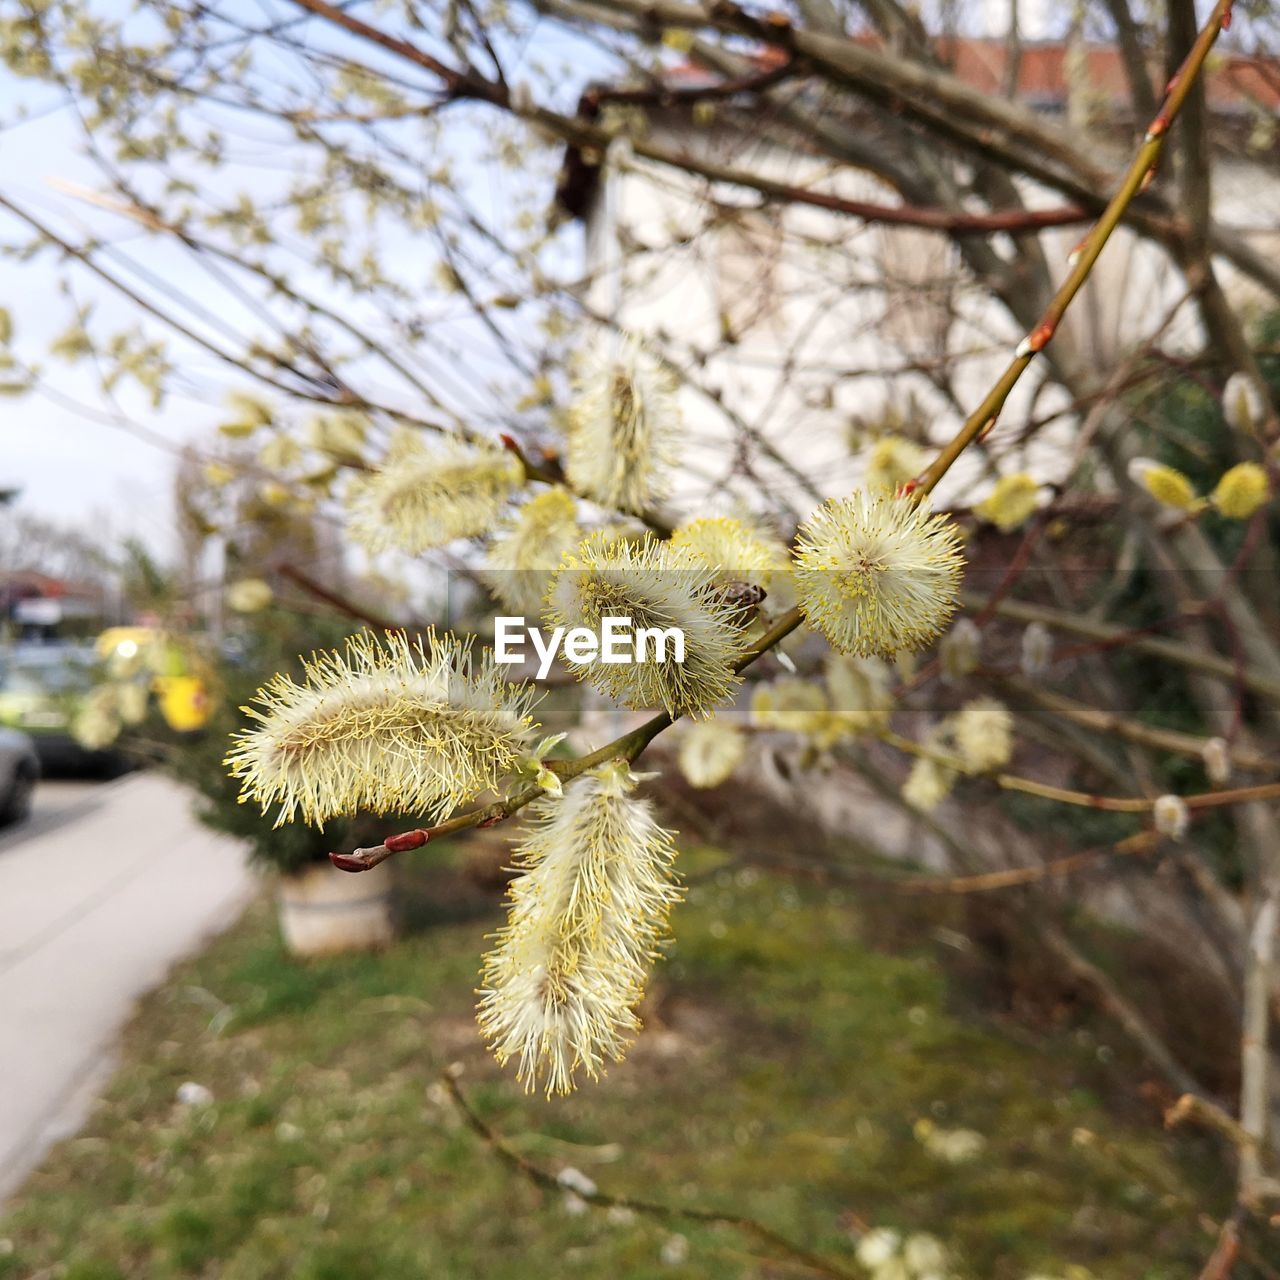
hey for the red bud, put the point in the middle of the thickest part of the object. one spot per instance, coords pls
(407, 840)
(346, 862)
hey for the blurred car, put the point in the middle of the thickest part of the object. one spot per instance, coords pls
(177, 677)
(19, 773)
(42, 688)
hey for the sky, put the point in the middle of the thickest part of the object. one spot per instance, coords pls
(72, 466)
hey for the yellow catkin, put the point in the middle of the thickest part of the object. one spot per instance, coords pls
(249, 595)
(732, 548)
(1167, 485)
(891, 462)
(657, 590)
(523, 558)
(1242, 491)
(928, 784)
(427, 495)
(982, 731)
(710, 752)
(878, 574)
(586, 915)
(790, 705)
(1011, 503)
(624, 427)
(389, 725)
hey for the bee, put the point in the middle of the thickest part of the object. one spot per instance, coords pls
(743, 597)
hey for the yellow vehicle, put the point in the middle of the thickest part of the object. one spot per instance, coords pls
(177, 677)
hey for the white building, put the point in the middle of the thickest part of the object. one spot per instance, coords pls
(803, 332)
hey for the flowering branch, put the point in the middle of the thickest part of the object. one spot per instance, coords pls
(850, 553)
(1086, 799)
(627, 746)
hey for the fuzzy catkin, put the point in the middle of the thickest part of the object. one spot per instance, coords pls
(1244, 403)
(388, 725)
(1241, 491)
(982, 731)
(1167, 485)
(1217, 761)
(878, 574)
(425, 496)
(654, 588)
(928, 784)
(586, 915)
(891, 462)
(624, 428)
(710, 752)
(1171, 816)
(1011, 503)
(523, 558)
(733, 549)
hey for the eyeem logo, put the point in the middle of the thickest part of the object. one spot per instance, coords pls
(618, 641)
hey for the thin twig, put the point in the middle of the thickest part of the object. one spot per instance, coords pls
(1255, 1051)
(548, 1181)
(341, 603)
(1085, 799)
(1085, 256)
(1227, 1250)
(1171, 740)
(1191, 1106)
(1103, 635)
(1016, 877)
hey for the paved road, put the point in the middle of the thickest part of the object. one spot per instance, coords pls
(100, 892)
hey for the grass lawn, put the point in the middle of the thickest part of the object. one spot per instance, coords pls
(792, 1070)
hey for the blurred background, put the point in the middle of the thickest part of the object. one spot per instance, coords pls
(917, 1020)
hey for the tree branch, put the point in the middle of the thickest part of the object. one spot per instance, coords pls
(1139, 174)
(548, 1181)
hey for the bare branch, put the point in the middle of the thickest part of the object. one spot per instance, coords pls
(548, 1181)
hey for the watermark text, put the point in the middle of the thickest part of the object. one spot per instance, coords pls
(618, 641)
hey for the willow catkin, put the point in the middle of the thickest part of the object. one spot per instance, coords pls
(426, 495)
(524, 556)
(657, 589)
(878, 574)
(624, 427)
(388, 724)
(559, 989)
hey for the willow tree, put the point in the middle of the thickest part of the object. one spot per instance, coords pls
(339, 214)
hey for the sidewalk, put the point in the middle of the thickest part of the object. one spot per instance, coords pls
(99, 896)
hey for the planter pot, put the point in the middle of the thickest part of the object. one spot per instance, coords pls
(324, 910)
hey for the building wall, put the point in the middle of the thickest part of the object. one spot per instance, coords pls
(811, 332)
